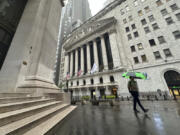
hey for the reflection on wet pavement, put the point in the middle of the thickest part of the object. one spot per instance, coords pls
(162, 119)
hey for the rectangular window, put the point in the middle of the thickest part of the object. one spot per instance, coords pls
(140, 47)
(133, 26)
(178, 16)
(143, 21)
(176, 34)
(140, 13)
(161, 40)
(127, 29)
(164, 12)
(133, 49)
(155, 26)
(167, 52)
(130, 18)
(124, 21)
(151, 18)
(159, 3)
(136, 34)
(144, 58)
(174, 7)
(169, 21)
(147, 30)
(129, 36)
(147, 9)
(157, 55)
(152, 42)
(136, 60)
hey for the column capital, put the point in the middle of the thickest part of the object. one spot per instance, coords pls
(112, 30)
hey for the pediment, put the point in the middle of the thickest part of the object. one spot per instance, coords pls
(87, 29)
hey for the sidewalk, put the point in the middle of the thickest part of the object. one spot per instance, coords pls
(162, 119)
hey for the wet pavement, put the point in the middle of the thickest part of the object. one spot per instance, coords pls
(162, 119)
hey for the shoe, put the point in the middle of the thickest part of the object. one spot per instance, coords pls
(136, 111)
(146, 110)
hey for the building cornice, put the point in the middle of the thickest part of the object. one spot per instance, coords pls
(118, 70)
(156, 65)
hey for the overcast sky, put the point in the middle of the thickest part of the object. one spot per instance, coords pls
(96, 5)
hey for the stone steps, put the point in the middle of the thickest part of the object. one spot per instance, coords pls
(44, 127)
(26, 114)
(6, 100)
(20, 105)
(15, 94)
(30, 123)
(6, 118)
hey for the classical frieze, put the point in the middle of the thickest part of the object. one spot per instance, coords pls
(90, 31)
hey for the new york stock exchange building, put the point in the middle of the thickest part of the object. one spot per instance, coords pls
(124, 36)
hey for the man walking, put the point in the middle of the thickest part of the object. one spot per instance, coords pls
(133, 89)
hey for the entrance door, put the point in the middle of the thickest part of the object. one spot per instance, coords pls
(173, 82)
(92, 94)
(102, 93)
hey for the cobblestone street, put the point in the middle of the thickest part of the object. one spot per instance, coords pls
(162, 119)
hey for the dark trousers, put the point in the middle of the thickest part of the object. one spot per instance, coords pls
(135, 95)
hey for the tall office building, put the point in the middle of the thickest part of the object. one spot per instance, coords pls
(73, 15)
(76, 12)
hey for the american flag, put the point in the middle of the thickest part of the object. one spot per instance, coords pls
(79, 72)
(68, 75)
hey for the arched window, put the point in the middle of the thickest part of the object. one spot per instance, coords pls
(172, 78)
(112, 79)
(101, 80)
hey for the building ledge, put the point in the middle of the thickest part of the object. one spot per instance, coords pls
(120, 69)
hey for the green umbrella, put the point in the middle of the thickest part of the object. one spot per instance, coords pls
(137, 75)
(176, 87)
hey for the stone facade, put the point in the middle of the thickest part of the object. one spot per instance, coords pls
(76, 12)
(143, 37)
(29, 64)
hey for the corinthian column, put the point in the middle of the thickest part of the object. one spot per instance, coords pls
(76, 62)
(82, 60)
(95, 54)
(88, 59)
(71, 64)
(104, 54)
(114, 48)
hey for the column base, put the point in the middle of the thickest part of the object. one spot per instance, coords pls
(37, 86)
